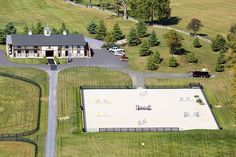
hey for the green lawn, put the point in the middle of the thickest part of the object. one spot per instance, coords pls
(206, 57)
(16, 149)
(15, 116)
(216, 15)
(18, 105)
(70, 142)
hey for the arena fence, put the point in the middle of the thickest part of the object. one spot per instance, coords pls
(159, 129)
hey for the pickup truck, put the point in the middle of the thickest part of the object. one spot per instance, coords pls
(115, 49)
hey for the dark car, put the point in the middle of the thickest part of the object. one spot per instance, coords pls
(69, 60)
(200, 74)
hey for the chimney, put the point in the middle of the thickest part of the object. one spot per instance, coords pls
(30, 32)
(64, 32)
(47, 31)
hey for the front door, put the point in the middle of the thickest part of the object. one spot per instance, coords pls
(49, 53)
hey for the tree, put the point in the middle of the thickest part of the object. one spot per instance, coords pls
(195, 25)
(156, 57)
(133, 39)
(150, 9)
(2, 36)
(219, 67)
(151, 65)
(117, 33)
(101, 30)
(55, 31)
(218, 43)
(141, 29)
(173, 41)
(26, 29)
(39, 28)
(109, 38)
(196, 43)
(173, 62)
(8, 30)
(232, 33)
(145, 49)
(192, 58)
(153, 61)
(153, 41)
(91, 28)
(63, 28)
(221, 58)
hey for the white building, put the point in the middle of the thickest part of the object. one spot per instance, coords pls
(47, 45)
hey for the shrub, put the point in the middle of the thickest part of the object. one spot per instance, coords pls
(218, 43)
(173, 62)
(192, 58)
(196, 43)
(91, 28)
(221, 58)
(219, 67)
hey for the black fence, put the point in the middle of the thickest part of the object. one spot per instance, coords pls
(157, 129)
(190, 85)
(20, 139)
(27, 133)
(106, 87)
(19, 136)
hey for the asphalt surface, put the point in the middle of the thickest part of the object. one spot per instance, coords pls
(52, 115)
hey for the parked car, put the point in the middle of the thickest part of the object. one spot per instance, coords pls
(199, 74)
(115, 49)
(119, 53)
(69, 60)
(124, 58)
(111, 46)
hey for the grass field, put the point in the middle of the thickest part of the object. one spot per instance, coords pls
(217, 15)
(16, 149)
(183, 144)
(39, 137)
(18, 105)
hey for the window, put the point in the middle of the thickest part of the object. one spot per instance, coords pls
(35, 51)
(18, 47)
(67, 46)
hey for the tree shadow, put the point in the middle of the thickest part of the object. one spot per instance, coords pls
(181, 51)
(174, 20)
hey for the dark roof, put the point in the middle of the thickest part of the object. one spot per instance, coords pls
(52, 40)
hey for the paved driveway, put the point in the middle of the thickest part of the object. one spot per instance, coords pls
(101, 58)
(93, 43)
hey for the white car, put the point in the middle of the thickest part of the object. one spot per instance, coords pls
(119, 53)
(115, 49)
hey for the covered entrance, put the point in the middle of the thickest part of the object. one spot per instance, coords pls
(49, 53)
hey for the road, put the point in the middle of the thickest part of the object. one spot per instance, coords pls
(52, 115)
